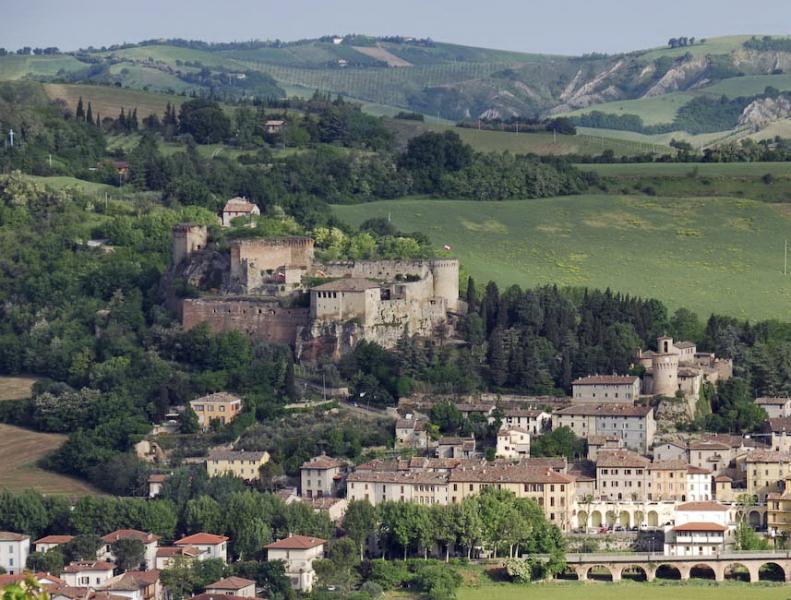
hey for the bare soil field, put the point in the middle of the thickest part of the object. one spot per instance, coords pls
(16, 388)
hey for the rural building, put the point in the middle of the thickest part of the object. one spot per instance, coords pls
(534, 421)
(322, 476)
(412, 433)
(633, 425)
(239, 463)
(274, 126)
(91, 573)
(603, 389)
(168, 555)
(149, 541)
(233, 586)
(456, 447)
(51, 541)
(597, 443)
(155, 483)
(209, 544)
(15, 550)
(222, 407)
(775, 407)
(298, 552)
(238, 207)
(513, 443)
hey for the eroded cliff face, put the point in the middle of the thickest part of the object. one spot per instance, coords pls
(681, 76)
(761, 113)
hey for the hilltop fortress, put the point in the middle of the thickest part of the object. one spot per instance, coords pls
(263, 289)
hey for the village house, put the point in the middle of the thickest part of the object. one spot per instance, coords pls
(88, 573)
(603, 389)
(778, 508)
(778, 429)
(700, 530)
(334, 507)
(479, 410)
(775, 407)
(167, 556)
(233, 586)
(209, 544)
(322, 476)
(298, 553)
(668, 480)
(765, 472)
(239, 463)
(15, 548)
(221, 407)
(634, 425)
(670, 450)
(149, 541)
(411, 432)
(406, 486)
(456, 447)
(622, 475)
(51, 541)
(534, 421)
(134, 585)
(698, 484)
(238, 207)
(597, 443)
(155, 483)
(513, 442)
(710, 454)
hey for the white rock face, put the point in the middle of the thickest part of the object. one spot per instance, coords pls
(760, 113)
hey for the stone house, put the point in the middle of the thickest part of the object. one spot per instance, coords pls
(633, 425)
(534, 421)
(597, 443)
(298, 552)
(411, 432)
(238, 207)
(775, 407)
(603, 389)
(322, 476)
(456, 447)
(671, 451)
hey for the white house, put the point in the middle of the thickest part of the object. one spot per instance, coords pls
(149, 541)
(211, 545)
(14, 550)
(534, 421)
(700, 530)
(88, 573)
(298, 552)
(513, 442)
(49, 542)
(167, 555)
(155, 483)
(238, 207)
(698, 484)
(321, 476)
(233, 586)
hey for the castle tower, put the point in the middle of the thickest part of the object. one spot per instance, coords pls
(446, 281)
(188, 238)
(665, 373)
(664, 345)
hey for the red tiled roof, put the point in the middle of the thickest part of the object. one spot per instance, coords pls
(157, 478)
(621, 458)
(230, 583)
(605, 410)
(10, 536)
(55, 539)
(296, 542)
(93, 565)
(606, 380)
(700, 526)
(203, 539)
(239, 205)
(322, 462)
(208, 596)
(129, 534)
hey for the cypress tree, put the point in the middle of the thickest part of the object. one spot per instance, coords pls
(133, 121)
(80, 114)
(89, 114)
(122, 120)
(472, 295)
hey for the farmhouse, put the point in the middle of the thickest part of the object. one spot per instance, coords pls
(238, 463)
(221, 407)
(238, 207)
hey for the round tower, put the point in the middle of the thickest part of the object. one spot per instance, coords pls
(446, 281)
(665, 374)
(188, 238)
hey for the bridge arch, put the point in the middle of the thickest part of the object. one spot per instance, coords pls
(771, 571)
(596, 519)
(582, 519)
(666, 571)
(623, 519)
(637, 573)
(653, 518)
(703, 571)
(599, 573)
(738, 572)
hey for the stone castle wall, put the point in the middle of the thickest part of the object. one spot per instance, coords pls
(251, 259)
(262, 319)
(188, 238)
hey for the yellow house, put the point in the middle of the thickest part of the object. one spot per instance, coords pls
(778, 509)
(221, 407)
(766, 471)
(239, 463)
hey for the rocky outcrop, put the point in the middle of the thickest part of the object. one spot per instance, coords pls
(761, 113)
(682, 75)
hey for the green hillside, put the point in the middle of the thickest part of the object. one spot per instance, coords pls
(709, 254)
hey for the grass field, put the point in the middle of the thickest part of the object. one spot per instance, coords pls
(644, 591)
(15, 66)
(708, 254)
(108, 100)
(749, 85)
(717, 45)
(663, 139)
(16, 388)
(653, 111)
(21, 449)
(141, 77)
(756, 169)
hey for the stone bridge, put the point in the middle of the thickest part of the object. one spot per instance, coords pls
(752, 566)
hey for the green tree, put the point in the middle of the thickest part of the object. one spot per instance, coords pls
(51, 562)
(204, 514)
(129, 553)
(360, 522)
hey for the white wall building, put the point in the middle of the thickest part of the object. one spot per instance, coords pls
(298, 552)
(698, 484)
(603, 389)
(14, 550)
(513, 442)
(210, 545)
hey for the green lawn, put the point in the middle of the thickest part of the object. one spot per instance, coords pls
(717, 45)
(708, 254)
(749, 85)
(654, 110)
(609, 591)
(756, 169)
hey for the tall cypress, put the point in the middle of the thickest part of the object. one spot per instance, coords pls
(80, 114)
(89, 114)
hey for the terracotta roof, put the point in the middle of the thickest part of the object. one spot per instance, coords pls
(669, 465)
(605, 410)
(434, 464)
(167, 551)
(693, 470)
(88, 565)
(702, 506)
(722, 478)
(621, 458)
(700, 526)
(507, 430)
(606, 380)
(482, 407)
(347, 284)
(296, 542)
(768, 456)
(708, 445)
(208, 596)
(237, 455)
(217, 398)
(202, 538)
(132, 580)
(129, 534)
(157, 478)
(55, 539)
(508, 473)
(779, 424)
(413, 424)
(239, 205)
(600, 440)
(43, 578)
(322, 462)
(530, 413)
(405, 477)
(230, 583)
(771, 401)
(10, 536)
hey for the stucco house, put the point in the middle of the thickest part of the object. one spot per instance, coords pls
(298, 552)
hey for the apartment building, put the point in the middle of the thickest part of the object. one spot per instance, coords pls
(605, 389)
(405, 486)
(240, 463)
(622, 475)
(321, 476)
(633, 425)
(766, 472)
(668, 481)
